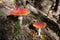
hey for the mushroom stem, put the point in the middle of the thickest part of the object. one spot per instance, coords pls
(20, 18)
(39, 31)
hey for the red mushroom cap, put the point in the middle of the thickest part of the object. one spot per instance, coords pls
(39, 24)
(20, 12)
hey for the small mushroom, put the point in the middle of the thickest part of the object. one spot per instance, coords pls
(39, 25)
(20, 12)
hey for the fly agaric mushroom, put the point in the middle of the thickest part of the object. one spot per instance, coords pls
(39, 25)
(20, 12)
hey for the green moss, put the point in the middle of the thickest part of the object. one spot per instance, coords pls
(17, 28)
(1, 13)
